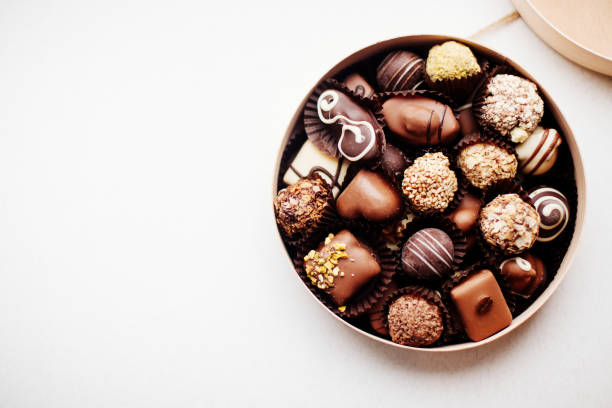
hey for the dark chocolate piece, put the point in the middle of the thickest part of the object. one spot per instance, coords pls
(414, 321)
(400, 71)
(524, 274)
(394, 162)
(356, 131)
(371, 196)
(342, 266)
(420, 121)
(481, 305)
(553, 209)
(428, 255)
(359, 85)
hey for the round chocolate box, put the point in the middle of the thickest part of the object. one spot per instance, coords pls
(342, 134)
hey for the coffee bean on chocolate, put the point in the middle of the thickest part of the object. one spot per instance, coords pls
(428, 255)
(523, 274)
(481, 305)
(400, 71)
(371, 196)
(420, 121)
(341, 266)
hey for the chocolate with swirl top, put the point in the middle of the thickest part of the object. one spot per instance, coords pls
(356, 130)
(553, 208)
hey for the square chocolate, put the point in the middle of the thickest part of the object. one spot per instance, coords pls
(481, 305)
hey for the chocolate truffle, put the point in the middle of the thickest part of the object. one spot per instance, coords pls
(301, 207)
(359, 85)
(509, 224)
(371, 196)
(428, 255)
(310, 161)
(376, 314)
(430, 184)
(511, 106)
(523, 274)
(394, 162)
(400, 71)
(553, 209)
(341, 266)
(485, 163)
(451, 60)
(414, 321)
(354, 132)
(481, 305)
(420, 121)
(538, 153)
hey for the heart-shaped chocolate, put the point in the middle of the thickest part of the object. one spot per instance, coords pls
(371, 196)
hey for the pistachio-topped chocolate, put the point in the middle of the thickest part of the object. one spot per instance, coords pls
(356, 132)
(341, 266)
(451, 60)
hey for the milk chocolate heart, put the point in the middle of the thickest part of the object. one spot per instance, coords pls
(371, 196)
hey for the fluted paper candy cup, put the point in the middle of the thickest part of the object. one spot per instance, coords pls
(572, 173)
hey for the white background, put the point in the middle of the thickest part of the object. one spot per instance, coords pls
(139, 263)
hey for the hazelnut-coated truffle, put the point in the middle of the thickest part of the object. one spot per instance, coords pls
(485, 163)
(429, 183)
(414, 321)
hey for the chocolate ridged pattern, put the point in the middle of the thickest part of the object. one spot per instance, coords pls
(399, 71)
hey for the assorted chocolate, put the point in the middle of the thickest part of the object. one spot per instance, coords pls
(409, 207)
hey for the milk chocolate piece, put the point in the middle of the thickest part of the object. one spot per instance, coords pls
(481, 305)
(428, 255)
(420, 121)
(310, 161)
(467, 122)
(347, 266)
(356, 131)
(359, 85)
(524, 274)
(371, 196)
(466, 213)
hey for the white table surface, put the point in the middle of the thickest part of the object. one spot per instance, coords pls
(139, 265)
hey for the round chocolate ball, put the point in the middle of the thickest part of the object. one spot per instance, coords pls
(301, 207)
(430, 184)
(553, 209)
(511, 106)
(485, 163)
(509, 224)
(539, 152)
(394, 162)
(414, 321)
(399, 71)
(428, 255)
(451, 60)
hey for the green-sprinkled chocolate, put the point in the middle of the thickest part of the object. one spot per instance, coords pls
(451, 60)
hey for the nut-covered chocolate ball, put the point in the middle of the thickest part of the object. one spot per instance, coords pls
(429, 183)
(485, 163)
(451, 60)
(509, 224)
(300, 207)
(414, 321)
(511, 106)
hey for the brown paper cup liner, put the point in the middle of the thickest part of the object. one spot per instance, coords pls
(368, 296)
(394, 234)
(444, 224)
(376, 316)
(459, 89)
(459, 277)
(430, 296)
(480, 95)
(493, 254)
(320, 134)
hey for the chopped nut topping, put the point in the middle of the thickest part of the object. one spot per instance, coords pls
(429, 183)
(322, 267)
(484, 164)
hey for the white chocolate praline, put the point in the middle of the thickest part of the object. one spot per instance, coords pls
(310, 160)
(327, 101)
(538, 153)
